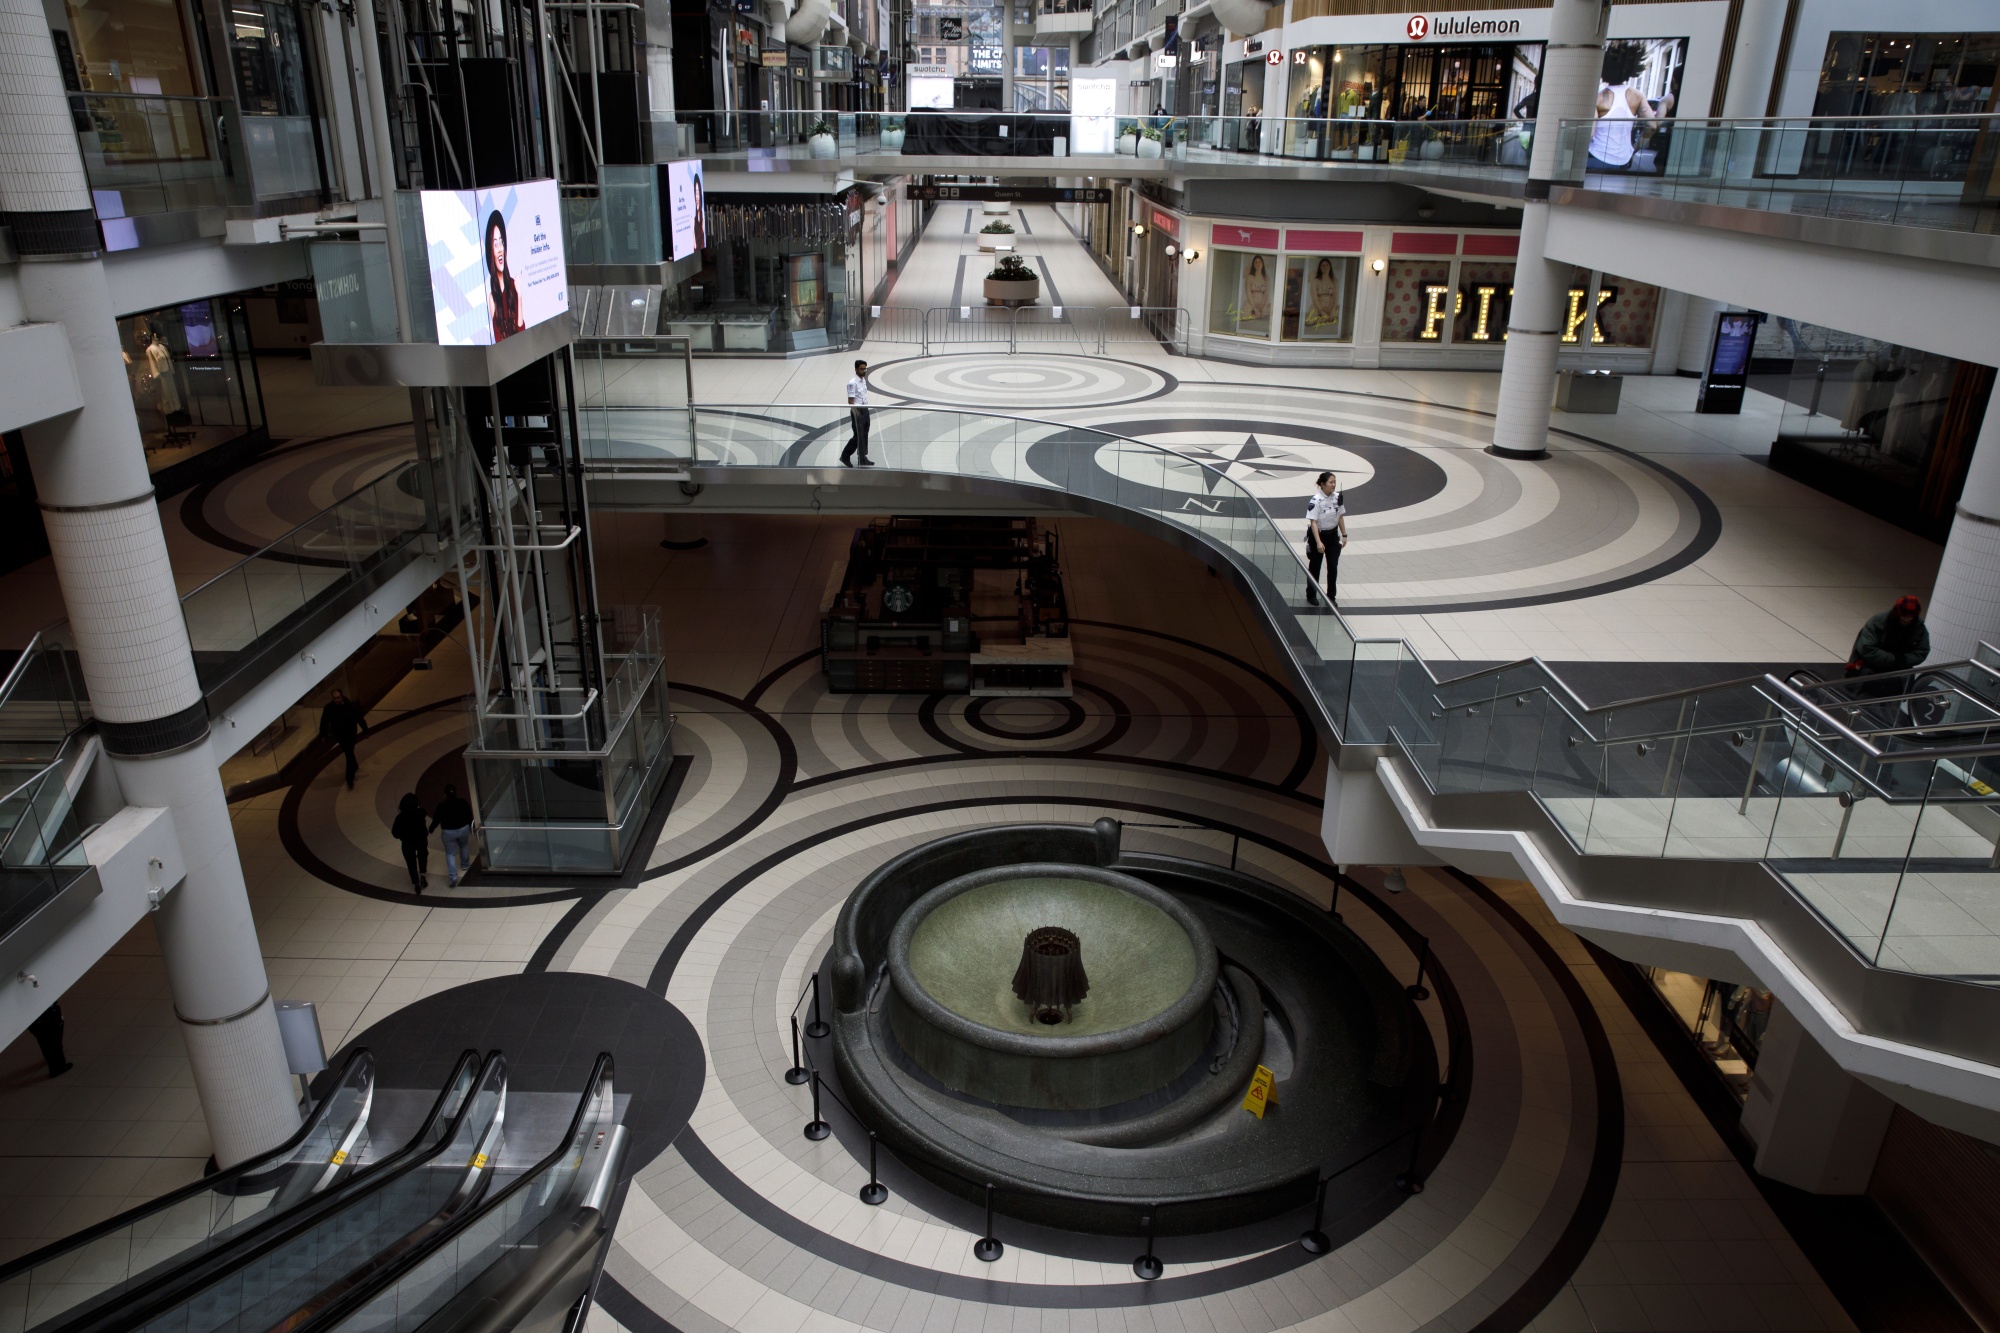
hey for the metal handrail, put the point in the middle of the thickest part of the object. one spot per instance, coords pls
(20, 665)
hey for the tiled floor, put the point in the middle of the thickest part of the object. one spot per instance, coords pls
(1781, 573)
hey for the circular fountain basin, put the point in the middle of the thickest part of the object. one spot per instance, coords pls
(1147, 1018)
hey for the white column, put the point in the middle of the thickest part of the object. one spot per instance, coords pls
(1753, 62)
(1816, 1126)
(111, 561)
(1965, 601)
(1570, 68)
(1697, 327)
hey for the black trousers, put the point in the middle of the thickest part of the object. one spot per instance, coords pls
(353, 764)
(1328, 550)
(858, 437)
(48, 1030)
(417, 856)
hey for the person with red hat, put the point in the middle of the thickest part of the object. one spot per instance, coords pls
(1894, 640)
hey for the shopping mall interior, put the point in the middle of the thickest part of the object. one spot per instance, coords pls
(1037, 665)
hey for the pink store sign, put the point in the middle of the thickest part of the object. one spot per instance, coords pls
(1323, 242)
(1244, 238)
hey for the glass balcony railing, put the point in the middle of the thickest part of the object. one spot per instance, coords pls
(1876, 800)
(236, 616)
(147, 155)
(1909, 171)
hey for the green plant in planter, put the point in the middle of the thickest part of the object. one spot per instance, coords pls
(1153, 134)
(999, 228)
(820, 127)
(892, 122)
(1132, 130)
(1012, 268)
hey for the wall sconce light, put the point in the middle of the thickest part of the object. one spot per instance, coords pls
(1190, 255)
(1138, 229)
(1170, 249)
(1379, 265)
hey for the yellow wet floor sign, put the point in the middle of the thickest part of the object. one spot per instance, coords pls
(1263, 1091)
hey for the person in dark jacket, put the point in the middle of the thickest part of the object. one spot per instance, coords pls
(48, 1033)
(343, 722)
(411, 831)
(453, 819)
(1895, 640)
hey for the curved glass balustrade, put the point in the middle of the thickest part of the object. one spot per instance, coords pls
(1877, 800)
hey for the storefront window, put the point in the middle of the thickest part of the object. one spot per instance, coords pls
(1485, 294)
(193, 380)
(1888, 428)
(774, 278)
(1241, 293)
(1319, 298)
(1625, 311)
(1417, 306)
(132, 46)
(1725, 1020)
(1576, 309)
(1907, 74)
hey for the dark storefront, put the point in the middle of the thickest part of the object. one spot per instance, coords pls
(1888, 429)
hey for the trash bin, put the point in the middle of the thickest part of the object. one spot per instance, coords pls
(1587, 390)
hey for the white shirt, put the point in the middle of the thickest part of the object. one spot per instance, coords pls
(1325, 511)
(857, 391)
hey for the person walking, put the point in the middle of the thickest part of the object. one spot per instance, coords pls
(1892, 640)
(48, 1033)
(410, 830)
(343, 722)
(1326, 533)
(453, 820)
(857, 417)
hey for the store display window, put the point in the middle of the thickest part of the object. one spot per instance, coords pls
(1319, 298)
(193, 380)
(1418, 303)
(1485, 294)
(1625, 312)
(1242, 290)
(1725, 1020)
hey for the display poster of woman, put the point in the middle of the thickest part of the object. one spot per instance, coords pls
(1323, 296)
(503, 297)
(1257, 293)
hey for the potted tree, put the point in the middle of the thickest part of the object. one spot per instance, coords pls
(821, 140)
(1128, 137)
(1012, 283)
(892, 134)
(990, 234)
(1151, 142)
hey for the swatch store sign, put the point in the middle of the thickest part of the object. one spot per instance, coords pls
(1422, 26)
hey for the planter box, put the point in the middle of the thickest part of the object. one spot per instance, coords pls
(1127, 143)
(1149, 148)
(999, 291)
(892, 141)
(996, 206)
(990, 241)
(823, 145)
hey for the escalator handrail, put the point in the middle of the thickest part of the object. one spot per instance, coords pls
(362, 1057)
(326, 1311)
(138, 1306)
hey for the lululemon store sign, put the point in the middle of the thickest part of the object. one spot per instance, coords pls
(1421, 26)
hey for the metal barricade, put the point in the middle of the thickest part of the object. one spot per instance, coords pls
(895, 324)
(1128, 326)
(1056, 328)
(969, 327)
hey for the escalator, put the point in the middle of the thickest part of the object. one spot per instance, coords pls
(448, 1226)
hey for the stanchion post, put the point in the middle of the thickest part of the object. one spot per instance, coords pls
(1313, 1240)
(817, 1028)
(1333, 903)
(798, 1073)
(1418, 991)
(816, 1128)
(988, 1247)
(1147, 1266)
(1410, 1182)
(874, 1191)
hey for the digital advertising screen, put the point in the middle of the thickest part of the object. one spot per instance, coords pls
(1093, 115)
(687, 216)
(496, 260)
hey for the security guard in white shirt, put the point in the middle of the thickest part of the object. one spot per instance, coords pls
(857, 416)
(1326, 533)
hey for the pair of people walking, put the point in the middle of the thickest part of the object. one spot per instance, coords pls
(412, 828)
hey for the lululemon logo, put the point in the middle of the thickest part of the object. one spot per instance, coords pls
(1419, 27)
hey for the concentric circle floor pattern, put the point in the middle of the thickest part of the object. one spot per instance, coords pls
(745, 1224)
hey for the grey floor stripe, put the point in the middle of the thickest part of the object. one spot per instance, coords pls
(1021, 215)
(1055, 297)
(968, 222)
(958, 283)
